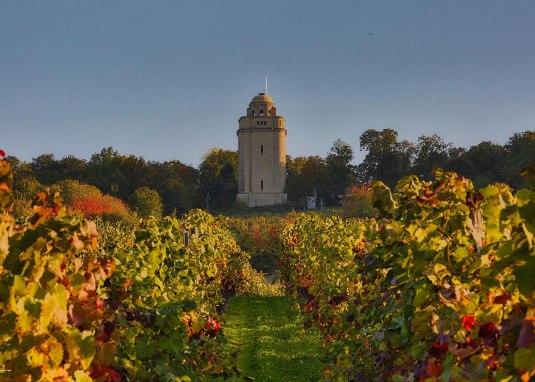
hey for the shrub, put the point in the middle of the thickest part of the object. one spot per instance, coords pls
(359, 202)
(146, 202)
(88, 201)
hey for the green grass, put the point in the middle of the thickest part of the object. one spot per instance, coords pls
(271, 341)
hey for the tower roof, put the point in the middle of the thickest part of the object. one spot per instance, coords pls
(262, 98)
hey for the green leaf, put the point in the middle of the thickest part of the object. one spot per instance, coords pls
(525, 359)
(81, 346)
(525, 277)
(55, 353)
(460, 253)
(77, 282)
(422, 293)
(81, 376)
(144, 348)
(188, 304)
(382, 198)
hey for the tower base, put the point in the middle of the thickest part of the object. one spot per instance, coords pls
(261, 199)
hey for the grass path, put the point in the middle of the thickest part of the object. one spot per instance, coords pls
(272, 344)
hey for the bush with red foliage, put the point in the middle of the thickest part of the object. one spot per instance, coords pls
(359, 202)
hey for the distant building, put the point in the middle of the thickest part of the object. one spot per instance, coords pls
(261, 154)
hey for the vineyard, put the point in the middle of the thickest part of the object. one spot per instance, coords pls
(77, 304)
(438, 286)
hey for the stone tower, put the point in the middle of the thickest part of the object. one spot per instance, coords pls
(261, 154)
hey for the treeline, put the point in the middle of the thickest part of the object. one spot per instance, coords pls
(173, 186)
(389, 159)
(148, 186)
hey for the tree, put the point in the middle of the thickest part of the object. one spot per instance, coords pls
(304, 175)
(431, 152)
(20, 168)
(24, 190)
(71, 167)
(340, 173)
(177, 184)
(387, 159)
(519, 153)
(146, 202)
(483, 163)
(70, 190)
(116, 174)
(457, 161)
(218, 175)
(88, 201)
(46, 168)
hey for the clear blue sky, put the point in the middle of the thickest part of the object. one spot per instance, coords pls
(169, 79)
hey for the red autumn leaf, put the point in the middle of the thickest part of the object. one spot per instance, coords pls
(469, 323)
(438, 350)
(489, 333)
(502, 299)
(105, 373)
(212, 326)
(487, 330)
(2, 153)
(470, 342)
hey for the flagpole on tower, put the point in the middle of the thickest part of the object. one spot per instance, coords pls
(266, 89)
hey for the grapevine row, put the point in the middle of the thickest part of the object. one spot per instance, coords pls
(440, 286)
(77, 303)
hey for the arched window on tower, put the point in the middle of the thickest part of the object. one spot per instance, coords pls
(262, 149)
(261, 185)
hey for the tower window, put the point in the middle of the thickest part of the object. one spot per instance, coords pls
(253, 113)
(262, 149)
(261, 185)
(262, 112)
(257, 123)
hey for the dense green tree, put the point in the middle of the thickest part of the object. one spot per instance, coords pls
(387, 159)
(71, 167)
(46, 169)
(116, 174)
(177, 185)
(305, 174)
(146, 202)
(340, 172)
(484, 163)
(20, 168)
(519, 153)
(430, 152)
(218, 175)
(457, 161)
